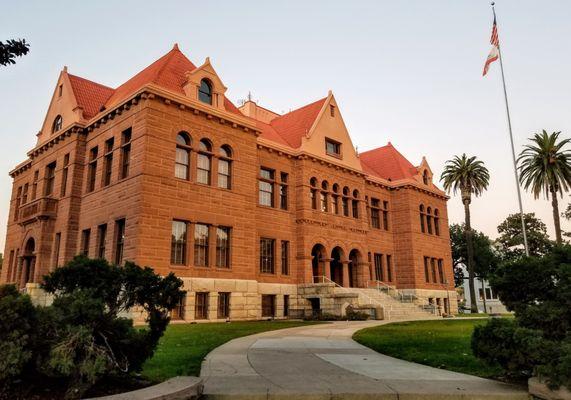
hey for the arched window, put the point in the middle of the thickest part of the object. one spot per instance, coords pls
(436, 222)
(421, 213)
(425, 177)
(313, 193)
(58, 123)
(205, 91)
(345, 201)
(429, 220)
(182, 160)
(225, 167)
(355, 204)
(335, 199)
(204, 162)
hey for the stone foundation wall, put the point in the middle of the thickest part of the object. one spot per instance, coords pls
(436, 297)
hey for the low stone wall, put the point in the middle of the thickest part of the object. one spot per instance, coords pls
(178, 388)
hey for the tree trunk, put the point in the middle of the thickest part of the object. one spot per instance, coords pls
(484, 295)
(556, 221)
(470, 248)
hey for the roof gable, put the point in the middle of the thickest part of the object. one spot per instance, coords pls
(388, 163)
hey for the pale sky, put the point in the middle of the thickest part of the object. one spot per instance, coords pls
(408, 72)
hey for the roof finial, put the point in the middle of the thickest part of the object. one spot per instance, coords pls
(357, 150)
(175, 47)
(65, 68)
(249, 96)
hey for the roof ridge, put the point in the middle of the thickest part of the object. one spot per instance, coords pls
(301, 108)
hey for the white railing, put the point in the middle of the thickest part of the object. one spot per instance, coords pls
(324, 279)
(391, 291)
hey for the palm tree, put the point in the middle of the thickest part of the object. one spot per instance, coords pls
(467, 175)
(546, 167)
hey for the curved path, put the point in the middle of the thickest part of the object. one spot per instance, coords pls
(323, 362)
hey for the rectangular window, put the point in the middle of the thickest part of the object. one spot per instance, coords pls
(332, 148)
(101, 240)
(10, 266)
(441, 270)
(64, 174)
(488, 293)
(481, 293)
(108, 166)
(119, 240)
(313, 198)
(203, 166)
(50, 178)
(223, 305)
(266, 187)
(355, 207)
(223, 247)
(323, 201)
(201, 245)
(85, 237)
(283, 190)
(125, 152)
(35, 184)
(268, 305)
(386, 215)
(426, 271)
(25, 194)
(286, 305)
(201, 305)
(335, 204)
(92, 169)
(389, 268)
(345, 206)
(375, 214)
(178, 312)
(433, 269)
(285, 257)
(224, 180)
(267, 256)
(378, 267)
(18, 203)
(178, 242)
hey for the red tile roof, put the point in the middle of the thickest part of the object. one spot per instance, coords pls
(89, 95)
(387, 163)
(291, 127)
(167, 72)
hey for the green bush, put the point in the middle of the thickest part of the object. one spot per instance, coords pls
(82, 336)
(538, 340)
(17, 322)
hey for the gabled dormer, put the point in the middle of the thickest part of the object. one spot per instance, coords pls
(63, 110)
(328, 136)
(203, 84)
(424, 173)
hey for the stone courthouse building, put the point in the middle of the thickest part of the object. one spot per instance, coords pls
(261, 214)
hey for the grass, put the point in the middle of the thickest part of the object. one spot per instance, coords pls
(481, 315)
(441, 344)
(184, 346)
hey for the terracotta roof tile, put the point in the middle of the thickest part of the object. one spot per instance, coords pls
(295, 124)
(167, 72)
(89, 95)
(387, 163)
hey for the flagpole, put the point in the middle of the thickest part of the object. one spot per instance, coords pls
(512, 144)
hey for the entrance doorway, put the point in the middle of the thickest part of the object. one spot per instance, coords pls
(336, 266)
(354, 260)
(28, 262)
(317, 255)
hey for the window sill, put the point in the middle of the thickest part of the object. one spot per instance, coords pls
(334, 155)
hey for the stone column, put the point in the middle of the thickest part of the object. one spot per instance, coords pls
(212, 305)
(363, 274)
(345, 273)
(326, 267)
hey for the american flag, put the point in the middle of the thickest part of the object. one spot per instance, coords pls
(494, 53)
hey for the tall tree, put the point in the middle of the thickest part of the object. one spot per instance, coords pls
(485, 256)
(11, 49)
(510, 241)
(468, 175)
(545, 166)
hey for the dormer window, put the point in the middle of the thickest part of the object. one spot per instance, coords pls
(205, 91)
(58, 122)
(332, 148)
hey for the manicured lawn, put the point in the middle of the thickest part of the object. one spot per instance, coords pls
(183, 347)
(441, 344)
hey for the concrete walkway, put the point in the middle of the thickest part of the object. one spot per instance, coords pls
(323, 362)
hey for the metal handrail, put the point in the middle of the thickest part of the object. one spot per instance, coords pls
(399, 295)
(368, 298)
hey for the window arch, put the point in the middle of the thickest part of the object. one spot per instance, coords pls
(58, 123)
(325, 185)
(436, 222)
(425, 177)
(421, 213)
(205, 91)
(429, 220)
(335, 188)
(204, 162)
(225, 167)
(182, 159)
